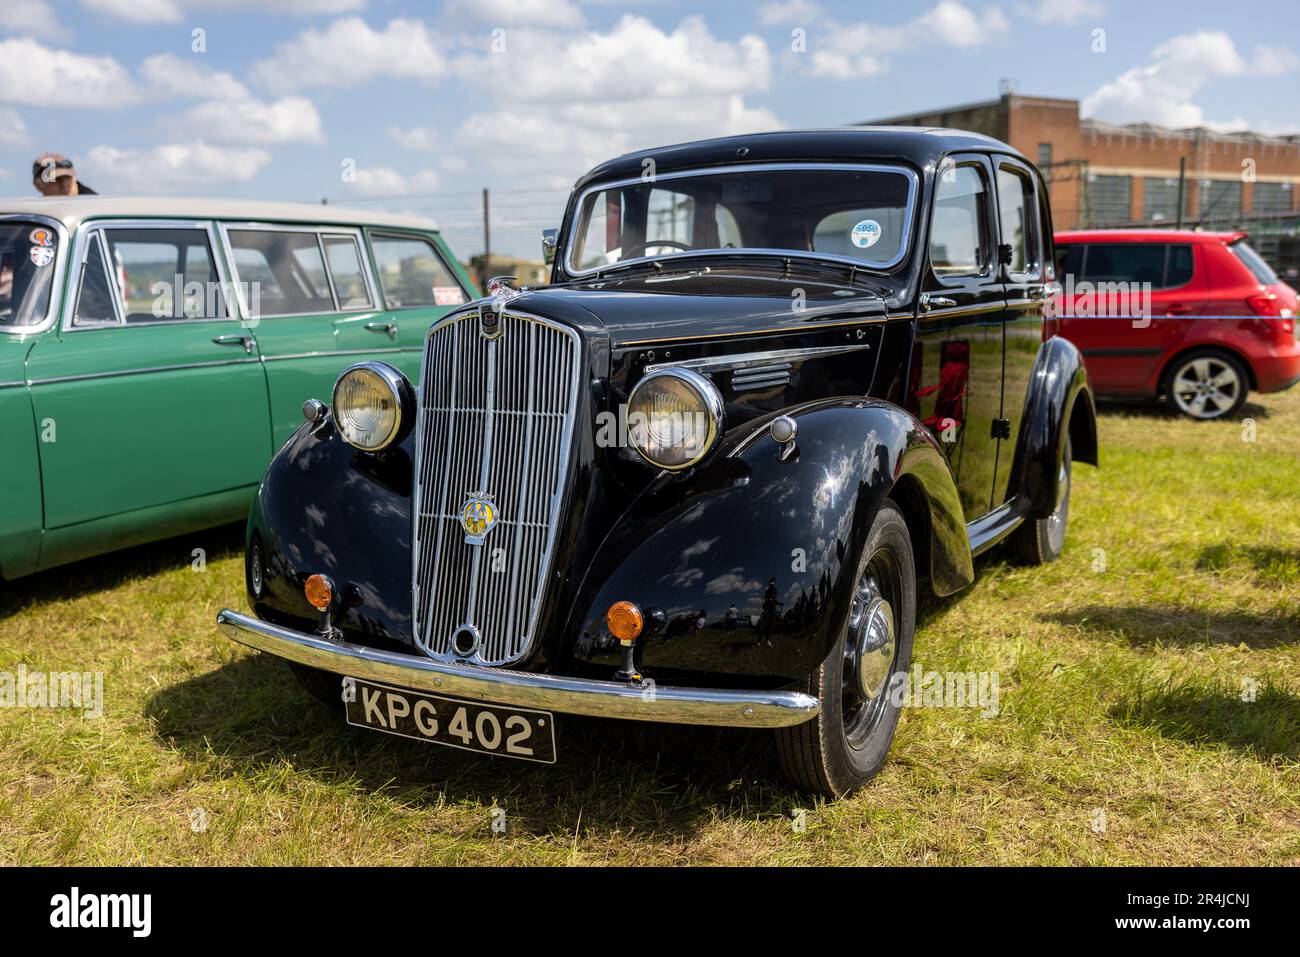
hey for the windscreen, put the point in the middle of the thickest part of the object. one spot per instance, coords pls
(28, 253)
(859, 214)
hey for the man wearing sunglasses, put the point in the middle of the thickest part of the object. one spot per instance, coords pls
(54, 175)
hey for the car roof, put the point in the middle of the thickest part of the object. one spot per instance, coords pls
(71, 210)
(917, 146)
(1209, 237)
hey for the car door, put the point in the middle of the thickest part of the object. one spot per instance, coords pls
(151, 394)
(957, 372)
(419, 284)
(1023, 231)
(1121, 315)
(307, 293)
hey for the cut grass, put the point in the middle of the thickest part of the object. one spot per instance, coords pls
(1124, 734)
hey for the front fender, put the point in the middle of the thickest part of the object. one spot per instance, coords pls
(1059, 404)
(750, 559)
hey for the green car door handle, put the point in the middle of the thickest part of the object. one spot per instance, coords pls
(245, 341)
(388, 327)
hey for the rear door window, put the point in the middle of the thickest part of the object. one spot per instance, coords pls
(288, 267)
(1163, 265)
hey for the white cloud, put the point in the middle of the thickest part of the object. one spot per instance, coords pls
(250, 121)
(172, 168)
(856, 50)
(416, 138)
(13, 131)
(507, 13)
(789, 11)
(169, 75)
(633, 87)
(172, 11)
(1062, 12)
(383, 181)
(348, 52)
(1163, 91)
(137, 11)
(36, 75)
(634, 61)
(32, 18)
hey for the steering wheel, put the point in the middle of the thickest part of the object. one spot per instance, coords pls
(656, 242)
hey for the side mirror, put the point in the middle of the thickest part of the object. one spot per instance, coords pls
(550, 242)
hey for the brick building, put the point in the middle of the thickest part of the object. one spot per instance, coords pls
(1106, 174)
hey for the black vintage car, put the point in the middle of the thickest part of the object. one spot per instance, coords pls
(777, 384)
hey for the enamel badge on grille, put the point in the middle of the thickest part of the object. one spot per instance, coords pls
(477, 516)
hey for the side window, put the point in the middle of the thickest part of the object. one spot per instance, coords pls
(412, 274)
(164, 274)
(349, 277)
(1018, 221)
(288, 268)
(1126, 262)
(94, 297)
(959, 229)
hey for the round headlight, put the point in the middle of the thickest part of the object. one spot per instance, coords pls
(675, 418)
(372, 406)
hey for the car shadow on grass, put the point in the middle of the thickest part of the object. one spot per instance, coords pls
(250, 716)
(1145, 625)
(1263, 721)
(1155, 409)
(104, 572)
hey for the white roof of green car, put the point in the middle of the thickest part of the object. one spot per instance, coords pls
(72, 210)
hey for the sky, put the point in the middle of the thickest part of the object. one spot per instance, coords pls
(418, 107)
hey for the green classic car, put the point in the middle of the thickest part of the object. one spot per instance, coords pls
(155, 353)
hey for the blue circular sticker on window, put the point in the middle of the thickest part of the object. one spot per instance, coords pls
(865, 234)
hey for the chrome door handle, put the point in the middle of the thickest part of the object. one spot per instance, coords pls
(929, 302)
(1036, 292)
(388, 327)
(245, 341)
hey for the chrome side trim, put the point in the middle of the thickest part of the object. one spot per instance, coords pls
(149, 369)
(12, 385)
(597, 699)
(741, 360)
(904, 244)
(328, 352)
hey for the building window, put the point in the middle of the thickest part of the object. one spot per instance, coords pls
(1108, 200)
(1220, 199)
(1160, 199)
(1044, 155)
(1272, 198)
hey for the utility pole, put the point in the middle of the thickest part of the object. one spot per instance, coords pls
(487, 245)
(1182, 184)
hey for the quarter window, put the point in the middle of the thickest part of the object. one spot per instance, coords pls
(959, 230)
(1015, 206)
(412, 274)
(94, 297)
(349, 277)
(288, 268)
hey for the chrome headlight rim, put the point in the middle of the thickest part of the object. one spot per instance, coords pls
(403, 397)
(714, 408)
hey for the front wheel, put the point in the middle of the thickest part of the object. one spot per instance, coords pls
(842, 748)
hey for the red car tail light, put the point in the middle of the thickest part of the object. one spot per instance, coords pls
(1266, 304)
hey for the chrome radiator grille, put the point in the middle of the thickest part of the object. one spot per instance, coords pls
(496, 416)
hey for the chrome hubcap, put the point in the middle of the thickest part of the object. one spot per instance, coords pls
(1206, 388)
(874, 648)
(1057, 520)
(870, 651)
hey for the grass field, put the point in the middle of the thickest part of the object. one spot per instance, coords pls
(1122, 736)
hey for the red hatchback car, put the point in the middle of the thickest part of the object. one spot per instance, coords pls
(1214, 321)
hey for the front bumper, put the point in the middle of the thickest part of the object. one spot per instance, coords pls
(598, 699)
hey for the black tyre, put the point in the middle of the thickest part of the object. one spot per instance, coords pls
(325, 686)
(1206, 384)
(845, 745)
(1039, 541)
